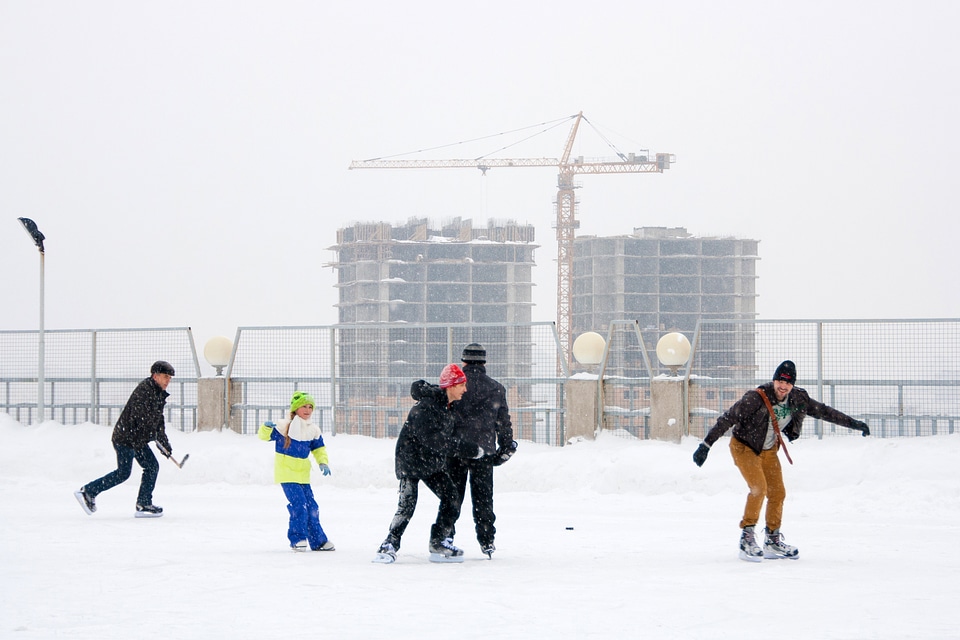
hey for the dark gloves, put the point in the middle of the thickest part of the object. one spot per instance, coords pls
(700, 455)
(861, 426)
(791, 434)
(468, 450)
(505, 452)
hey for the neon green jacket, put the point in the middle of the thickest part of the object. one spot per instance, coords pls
(292, 463)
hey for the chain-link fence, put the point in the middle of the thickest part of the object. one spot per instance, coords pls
(360, 375)
(901, 376)
(89, 373)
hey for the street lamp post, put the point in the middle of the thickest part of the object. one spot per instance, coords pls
(31, 228)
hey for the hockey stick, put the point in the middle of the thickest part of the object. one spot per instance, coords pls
(170, 457)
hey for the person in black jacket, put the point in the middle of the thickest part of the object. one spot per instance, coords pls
(483, 419)
(758, 419)
(425, 442)
(140, 422)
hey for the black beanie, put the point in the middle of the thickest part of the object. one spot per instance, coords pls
(787, 371)
(474, 352)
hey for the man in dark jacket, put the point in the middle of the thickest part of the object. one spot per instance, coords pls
(425, 442)
(483, 419)
(758, 419)
(140, 422)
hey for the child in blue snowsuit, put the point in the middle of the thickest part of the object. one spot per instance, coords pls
(295, 440)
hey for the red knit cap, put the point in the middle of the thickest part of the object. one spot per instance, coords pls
(451, 376)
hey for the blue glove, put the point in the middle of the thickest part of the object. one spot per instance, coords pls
(700, 455)
(324, 469)
(269, 424)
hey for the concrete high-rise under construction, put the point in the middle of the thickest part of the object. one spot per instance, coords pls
(667, 279)
(395, 281)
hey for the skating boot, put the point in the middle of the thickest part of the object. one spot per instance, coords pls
(749, 550)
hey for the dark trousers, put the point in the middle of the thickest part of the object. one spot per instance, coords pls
(125, 457)
(304, 515)
(442, 487)
(480, 475)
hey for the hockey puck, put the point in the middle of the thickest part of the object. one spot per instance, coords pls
(569, 528)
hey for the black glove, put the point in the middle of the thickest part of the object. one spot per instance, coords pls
(700, 455)
(791, 434)
(861, 426)
(468, 450)
(505, 452)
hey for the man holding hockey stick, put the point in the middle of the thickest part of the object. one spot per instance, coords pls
(140, 422)
(759, 420)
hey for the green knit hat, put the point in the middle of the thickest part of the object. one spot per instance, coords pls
(300, 399)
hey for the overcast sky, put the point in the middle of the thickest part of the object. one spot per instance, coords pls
(187, 161)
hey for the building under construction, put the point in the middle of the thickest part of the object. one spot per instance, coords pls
(667, 280)
(397, 281)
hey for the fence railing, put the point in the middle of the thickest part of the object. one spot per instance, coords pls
(901, 376)
(90, 373)
(360, 375)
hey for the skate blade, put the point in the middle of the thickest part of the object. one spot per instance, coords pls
(146, 514)
(83, 503)
(439, 557)
(744, 556)
(780, 556)
(384, 558)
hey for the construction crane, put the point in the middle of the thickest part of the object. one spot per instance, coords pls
(566, 201)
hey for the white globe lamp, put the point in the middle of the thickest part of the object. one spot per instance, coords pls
(588, 348)
(217, 352)
(673, 350)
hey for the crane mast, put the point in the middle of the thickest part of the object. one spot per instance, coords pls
(566, 221)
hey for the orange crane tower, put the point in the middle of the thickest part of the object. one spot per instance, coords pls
(566, 201)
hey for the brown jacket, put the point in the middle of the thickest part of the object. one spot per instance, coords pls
(749, 417)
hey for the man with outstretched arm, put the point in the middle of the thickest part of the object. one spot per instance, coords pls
(758, 419)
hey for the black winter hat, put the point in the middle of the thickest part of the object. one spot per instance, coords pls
(162, 366)
(474, 352)
(787, 371)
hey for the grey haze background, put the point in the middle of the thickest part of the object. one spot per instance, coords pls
(187, 161)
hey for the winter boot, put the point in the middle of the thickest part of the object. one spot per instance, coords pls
(444, 551)
(386, 554)
(148, 511)
(86, 501)
(749, 550)
(775, 548)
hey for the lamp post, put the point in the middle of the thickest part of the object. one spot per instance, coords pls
(589, 349)
(31, 228)
(668, 395)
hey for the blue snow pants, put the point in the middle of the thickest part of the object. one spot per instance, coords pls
(304, 515)
(125, 457)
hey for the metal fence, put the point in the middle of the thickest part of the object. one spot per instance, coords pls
(90, 373)
(901, 376)
(360, 375)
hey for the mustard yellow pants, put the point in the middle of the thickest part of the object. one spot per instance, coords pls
(764, 478)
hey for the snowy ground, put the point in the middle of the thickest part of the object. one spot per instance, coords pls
(606, 539)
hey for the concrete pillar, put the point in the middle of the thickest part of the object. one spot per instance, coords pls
(668, 412)
(580, 409)
(211, 403)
